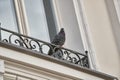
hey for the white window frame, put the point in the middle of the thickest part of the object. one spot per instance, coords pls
(21, 16)
(117, 7)
(83, 27)
(85, 32)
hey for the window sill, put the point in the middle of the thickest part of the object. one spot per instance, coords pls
(51, 60)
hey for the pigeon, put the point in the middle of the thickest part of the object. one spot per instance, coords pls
(58, 40)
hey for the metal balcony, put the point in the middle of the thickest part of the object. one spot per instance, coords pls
(43, 47)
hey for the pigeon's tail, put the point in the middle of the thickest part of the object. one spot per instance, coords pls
(51, 52)
(58, 40)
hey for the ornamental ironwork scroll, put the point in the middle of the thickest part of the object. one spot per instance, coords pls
(44, 47)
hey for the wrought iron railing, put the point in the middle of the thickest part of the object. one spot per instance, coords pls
(43, 47)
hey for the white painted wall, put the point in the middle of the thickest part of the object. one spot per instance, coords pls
(1, 69)
(1, 76)
(105, 45)
(101, 32)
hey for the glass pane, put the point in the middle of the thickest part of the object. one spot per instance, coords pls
(7, 15)
(37, 19)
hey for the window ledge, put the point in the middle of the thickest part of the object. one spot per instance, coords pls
(50, 59)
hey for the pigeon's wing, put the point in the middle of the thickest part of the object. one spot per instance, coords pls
(59, 40)
(56, 40)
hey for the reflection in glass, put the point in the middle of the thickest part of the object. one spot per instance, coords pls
(37, 19)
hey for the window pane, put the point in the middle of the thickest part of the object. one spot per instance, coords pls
(37, 19)
(7, 15)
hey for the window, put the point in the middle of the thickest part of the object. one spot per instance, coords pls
(117, 6)
(27, 19)
(36, 19)
(8, 15)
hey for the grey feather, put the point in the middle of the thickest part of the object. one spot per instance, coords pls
(58, 40)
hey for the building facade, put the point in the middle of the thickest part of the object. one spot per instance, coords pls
(91, 50)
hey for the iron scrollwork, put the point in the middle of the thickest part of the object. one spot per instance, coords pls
(44, 47)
